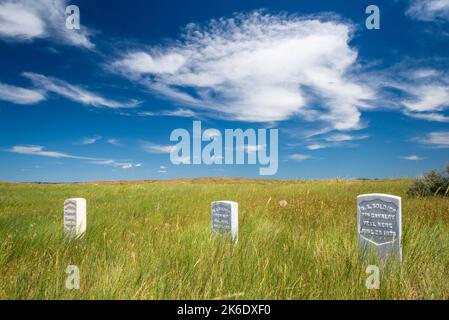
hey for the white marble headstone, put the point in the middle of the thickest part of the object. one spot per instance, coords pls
(75, 217)
(225, 219)
(379, 224)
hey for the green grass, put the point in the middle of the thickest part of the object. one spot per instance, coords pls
(152, 240)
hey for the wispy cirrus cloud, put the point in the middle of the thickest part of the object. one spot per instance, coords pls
(117, 164)
(316, 146)
(27, 20)
(114, 142)
(429, 10)
(426, 101)
(429, 116)
(76, 93)
(438, 139)
(40, 151)
(299, 157)
(412, 158)
(250, 148)
(324, 140)
(156, 148)
(182, 113)
(95, 139)
(90, 140)
(258, 67)
(345, 137)
(20, 95)
(428, 97)
(420, 88)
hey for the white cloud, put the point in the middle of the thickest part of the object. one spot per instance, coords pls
(412, 158)
(425, 73)
(25, 20)
(39, 151)
(431, 97)
(19, 95)
(18, 22)
(429, 10)
(345, 137)
(439, 139)
(316, 146)
(248, 148)
(162, 169)
(421, 92)
(44, 84)
(90, 140)
(180, 113)
(432, 116)
(157, 148)
(251, 148)
(185, 113)
(114, 142)
(299, 157)
(319, 140)
(75, 93)
(142, 62)
(116, 164)
(258, 68)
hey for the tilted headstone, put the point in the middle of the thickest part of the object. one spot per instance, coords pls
(74, 217)
(379, 224)
(225, 219)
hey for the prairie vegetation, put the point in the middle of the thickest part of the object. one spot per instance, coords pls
(152, 240)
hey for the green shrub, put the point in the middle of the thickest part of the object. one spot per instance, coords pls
(432, 183)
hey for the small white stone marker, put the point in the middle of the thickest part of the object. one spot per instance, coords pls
(74, 217)
(225, 219)
(379, 224)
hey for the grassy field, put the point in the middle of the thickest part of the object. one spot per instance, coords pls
(152, 240)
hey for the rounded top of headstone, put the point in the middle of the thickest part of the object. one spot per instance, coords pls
(379, 195)
(227, 202)
(76, 199)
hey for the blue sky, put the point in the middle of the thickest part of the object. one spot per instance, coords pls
(100, 103)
